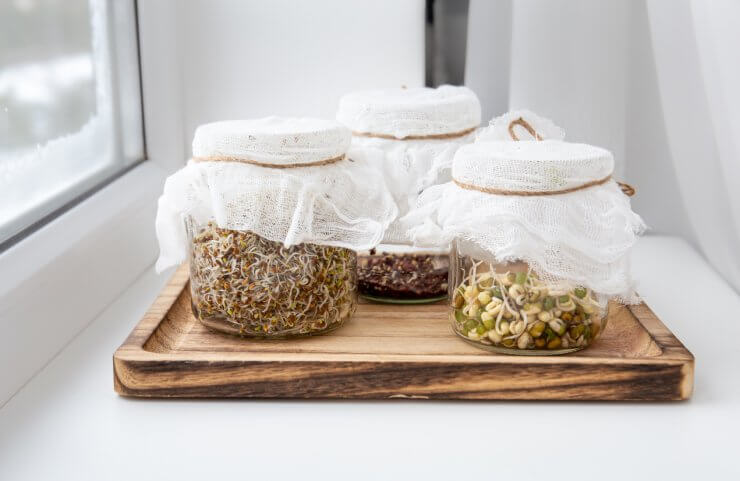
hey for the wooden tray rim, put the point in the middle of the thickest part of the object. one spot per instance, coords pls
(133, 353)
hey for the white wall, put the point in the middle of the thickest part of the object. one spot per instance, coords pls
(488, 55)
(253, 58)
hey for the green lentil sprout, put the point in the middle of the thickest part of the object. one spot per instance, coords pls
(518, 311)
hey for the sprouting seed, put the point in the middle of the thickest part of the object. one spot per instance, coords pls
(261, 288)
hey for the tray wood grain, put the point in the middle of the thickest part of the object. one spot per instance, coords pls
(389, 351)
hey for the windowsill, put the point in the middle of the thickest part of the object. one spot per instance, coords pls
(68, 421)
(62, 276)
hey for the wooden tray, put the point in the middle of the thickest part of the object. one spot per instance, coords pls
(390, 351)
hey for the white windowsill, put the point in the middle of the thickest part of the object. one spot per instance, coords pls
(59, 278)
(67, 423)
(54, 282)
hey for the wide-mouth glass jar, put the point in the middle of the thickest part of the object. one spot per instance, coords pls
(403, 275)
(541, 238)
(508, 308)
(244, 284)
(409, 136)
(274, 215)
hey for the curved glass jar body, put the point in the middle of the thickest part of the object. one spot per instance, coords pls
(506, 308)
(398, 274)
(246, 285)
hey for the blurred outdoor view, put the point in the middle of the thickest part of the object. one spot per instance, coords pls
(46, 72)
(51, 137)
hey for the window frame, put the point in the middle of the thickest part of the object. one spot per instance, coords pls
(61, 275)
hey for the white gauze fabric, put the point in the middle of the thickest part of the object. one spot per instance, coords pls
(394, 130)
(342, 203)
(582, 237)
(498, 128)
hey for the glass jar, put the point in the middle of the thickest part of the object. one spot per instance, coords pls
(507, 308)
(244, 284)
(403, 275)
(409, 136)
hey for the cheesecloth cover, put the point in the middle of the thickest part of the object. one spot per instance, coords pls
(409, 136)
(285, 179)
(552, 204)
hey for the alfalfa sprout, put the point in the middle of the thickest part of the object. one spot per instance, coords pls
(245, 284)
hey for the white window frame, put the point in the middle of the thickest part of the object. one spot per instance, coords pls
(57, 279)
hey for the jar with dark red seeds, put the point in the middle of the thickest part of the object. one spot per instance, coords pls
(409, 136)
(403, 276)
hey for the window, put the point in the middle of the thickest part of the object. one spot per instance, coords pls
(70, 104)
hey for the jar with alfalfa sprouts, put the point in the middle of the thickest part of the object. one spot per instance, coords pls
(269, 214)
(409, 136)
(541, 238)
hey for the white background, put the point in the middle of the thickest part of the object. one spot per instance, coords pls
(254, 59)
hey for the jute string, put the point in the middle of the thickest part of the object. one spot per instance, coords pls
(627, 189)
(491, 190)
(452, 135)
(242, 160)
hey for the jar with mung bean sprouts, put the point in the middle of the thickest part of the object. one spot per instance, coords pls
(541, 237)
(269, 213)
(507, 307)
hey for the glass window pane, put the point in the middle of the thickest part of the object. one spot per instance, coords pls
(60, 121)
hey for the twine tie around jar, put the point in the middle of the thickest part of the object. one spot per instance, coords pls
(452, 135)
(627, 189)
(489, 190)
(243, 160)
